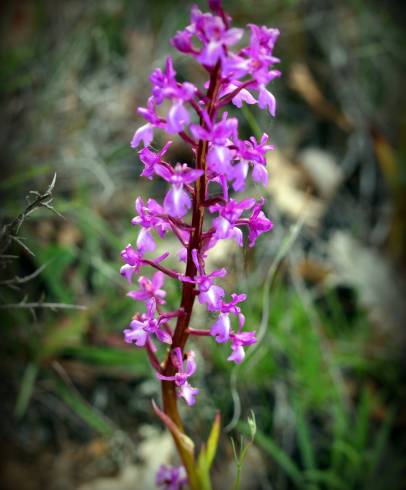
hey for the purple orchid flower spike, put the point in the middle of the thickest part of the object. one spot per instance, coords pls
(171, 477)
(150, 288)
(177, 201)
(185, 390)
(198, 209)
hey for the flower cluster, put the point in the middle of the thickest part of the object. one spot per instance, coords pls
(197, 207)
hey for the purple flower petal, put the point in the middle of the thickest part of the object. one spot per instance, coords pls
(220, 330)
(212, 297)
(189, 393)
(267, 100)
(144, 133)
(177, 118)
(177, 202)
(145, 242)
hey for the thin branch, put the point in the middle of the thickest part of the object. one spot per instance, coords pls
(22, 280)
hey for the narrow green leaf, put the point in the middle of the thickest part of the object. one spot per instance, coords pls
(303, 436)
(113, 357)
(82, 409)
(17, 179)
(381, 440)
(280, 457)
(185, 441)
(327, 477)
(185, 447)
(207, 453)
(362, 420)
(345, 449)
(213, 440)
(26, 389)
(68, 331)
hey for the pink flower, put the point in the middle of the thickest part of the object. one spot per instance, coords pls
(178, 117)
(221, 328)
(250, 152)
(143, 326)
(238, 342)
(184, 371)
(209, 293)
(151, 158)
(258, 223)
(144, 133)
(151, 215)
(133, 260)
(150, 288)
(177, 201)
(165, 86)
(226, 223)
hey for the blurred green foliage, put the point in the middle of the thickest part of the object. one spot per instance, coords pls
(325, 392)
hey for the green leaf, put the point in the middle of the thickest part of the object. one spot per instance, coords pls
(184, 444)
(26, 389)
(132, 361)
(327, 477)
(19, 178)
(59, 259)
(69, 331)
(207, 453)
(80, 407)
(303, 436)
(361, 428)
(213, 440)
(280, 457)
(381, 440)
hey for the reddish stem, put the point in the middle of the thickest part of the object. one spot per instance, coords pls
(198, 332)
(187, 139)
(181, 333)
(152, 357)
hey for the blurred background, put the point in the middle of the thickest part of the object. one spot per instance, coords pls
(326, 287)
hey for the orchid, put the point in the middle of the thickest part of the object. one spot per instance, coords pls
(192, 208)
(150, 288)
